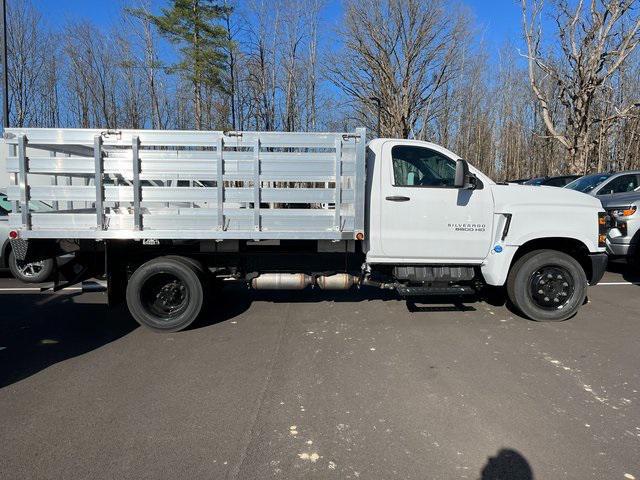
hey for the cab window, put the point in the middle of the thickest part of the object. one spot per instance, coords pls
(421, 167)
(623, 183)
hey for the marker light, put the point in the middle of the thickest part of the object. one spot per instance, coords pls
(13, 234)
(602, 240)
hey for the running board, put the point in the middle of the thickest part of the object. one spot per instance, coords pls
(405, 291)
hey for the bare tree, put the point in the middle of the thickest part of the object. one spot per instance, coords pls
(262, 62)
(400, 51)
(312, 9)
(139, 22)
(595, 39)
(94, 74)
(26, 62)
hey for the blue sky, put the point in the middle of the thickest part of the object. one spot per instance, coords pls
(497, 20)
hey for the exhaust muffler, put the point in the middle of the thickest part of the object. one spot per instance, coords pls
(281, 281)
(299, 281)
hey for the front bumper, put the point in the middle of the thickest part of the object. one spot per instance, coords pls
(619, 245)
(598, 266)
(618, 249)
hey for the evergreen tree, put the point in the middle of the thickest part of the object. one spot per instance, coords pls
(194, 25)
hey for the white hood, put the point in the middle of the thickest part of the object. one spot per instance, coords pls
(508, 197)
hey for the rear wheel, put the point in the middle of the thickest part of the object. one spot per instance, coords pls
(547, 285)
(165, 294)
(33, 272)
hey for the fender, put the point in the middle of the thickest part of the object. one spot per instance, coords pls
(495, 267)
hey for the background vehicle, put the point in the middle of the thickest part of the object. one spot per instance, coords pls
(624, 235)
(559, 181)
(518, 181)
(599, 184)
(404, 215)
(34, 272)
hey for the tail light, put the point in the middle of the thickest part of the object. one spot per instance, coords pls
(13, 234)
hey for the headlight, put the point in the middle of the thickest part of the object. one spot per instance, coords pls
(623, 212)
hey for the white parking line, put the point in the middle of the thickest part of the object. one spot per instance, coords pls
(20, 289)
(619, 283)
(37, 289)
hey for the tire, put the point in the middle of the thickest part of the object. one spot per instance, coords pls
(34, 272)
(189, 261)
(165, 294)
(547, 285)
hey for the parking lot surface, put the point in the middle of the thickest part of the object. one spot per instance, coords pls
(311, 385)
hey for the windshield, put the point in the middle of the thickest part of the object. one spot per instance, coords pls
(535, 181)
(587, 183)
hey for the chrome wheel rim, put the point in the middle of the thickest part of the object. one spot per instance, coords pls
(30, 270)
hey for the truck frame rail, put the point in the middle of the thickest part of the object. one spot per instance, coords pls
(152, 184)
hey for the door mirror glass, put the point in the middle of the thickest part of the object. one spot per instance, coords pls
(463, 178)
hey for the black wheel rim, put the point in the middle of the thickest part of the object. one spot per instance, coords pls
(165, 296)
(551, 287)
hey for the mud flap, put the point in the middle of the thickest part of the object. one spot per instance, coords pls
(20, 247)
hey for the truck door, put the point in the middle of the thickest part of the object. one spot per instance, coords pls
(424, 217)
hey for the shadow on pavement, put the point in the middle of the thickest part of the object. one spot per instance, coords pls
(630, 273)
(40, 330)
(508, 464)
(233, 300)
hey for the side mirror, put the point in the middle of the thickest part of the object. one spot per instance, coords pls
(464, 179)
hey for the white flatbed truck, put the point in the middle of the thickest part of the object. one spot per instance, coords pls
(167, 215)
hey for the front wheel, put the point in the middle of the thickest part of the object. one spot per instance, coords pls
(547, 285)
(165, 294)
(33, 272)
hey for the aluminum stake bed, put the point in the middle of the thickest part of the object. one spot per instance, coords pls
(139, 184)
(169, 217)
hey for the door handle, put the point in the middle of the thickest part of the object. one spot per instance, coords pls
(396, 198)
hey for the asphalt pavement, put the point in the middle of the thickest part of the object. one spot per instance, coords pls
(317, 385)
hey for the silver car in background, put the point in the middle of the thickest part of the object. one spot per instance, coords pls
(599, 184)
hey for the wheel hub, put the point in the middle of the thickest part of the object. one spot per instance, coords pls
(165, 295)
(172, 294)
(551, 287)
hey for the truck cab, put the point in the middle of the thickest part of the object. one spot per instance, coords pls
(419, 214)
